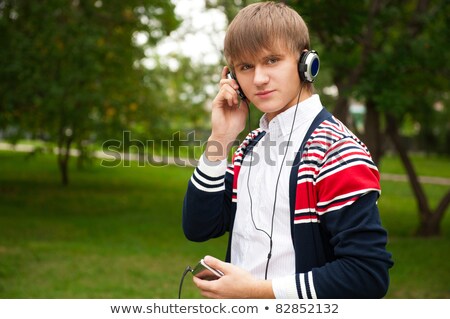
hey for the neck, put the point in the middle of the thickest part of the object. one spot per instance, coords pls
(304, 94)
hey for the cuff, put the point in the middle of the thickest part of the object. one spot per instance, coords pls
(209, 176)
(212, 168)
(285, 287)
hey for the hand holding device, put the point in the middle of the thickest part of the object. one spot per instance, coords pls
(237, 283)
(227, 119)
(206, 272)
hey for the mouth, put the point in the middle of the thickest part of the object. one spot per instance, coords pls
(264, 94)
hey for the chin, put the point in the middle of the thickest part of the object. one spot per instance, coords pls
(266, 106)
(270, 108)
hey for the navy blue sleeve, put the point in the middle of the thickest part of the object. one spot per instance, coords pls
(207, 206)
(360, 268)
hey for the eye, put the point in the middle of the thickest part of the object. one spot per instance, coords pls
(245, 67)
(272, 60)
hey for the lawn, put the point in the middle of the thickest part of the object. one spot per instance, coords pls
(116, 233)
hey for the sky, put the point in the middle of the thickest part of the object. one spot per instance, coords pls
(200, 35)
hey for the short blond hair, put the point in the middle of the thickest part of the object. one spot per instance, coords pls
(264, 25)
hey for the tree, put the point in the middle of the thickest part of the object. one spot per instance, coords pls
(414, 93)
(230, 8)
(69, 70)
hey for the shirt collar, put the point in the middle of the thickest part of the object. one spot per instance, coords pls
(281, 124)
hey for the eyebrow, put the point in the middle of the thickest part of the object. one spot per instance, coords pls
(268, 56)
(275, 55)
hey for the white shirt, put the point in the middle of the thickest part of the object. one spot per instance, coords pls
(256, 194)
(249, 246)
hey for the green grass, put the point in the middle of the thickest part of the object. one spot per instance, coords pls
(116, 233)
(113, 233)
(422, 266)
(425, 165)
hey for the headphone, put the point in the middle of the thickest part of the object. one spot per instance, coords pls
(308, 66)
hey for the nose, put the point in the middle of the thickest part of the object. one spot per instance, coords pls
(261, 77)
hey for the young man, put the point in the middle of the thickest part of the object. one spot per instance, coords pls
(299, 199)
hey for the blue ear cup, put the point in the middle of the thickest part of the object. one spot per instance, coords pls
(308, 66)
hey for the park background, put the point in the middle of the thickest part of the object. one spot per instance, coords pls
(134, 79)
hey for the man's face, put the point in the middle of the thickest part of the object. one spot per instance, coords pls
(270, 80)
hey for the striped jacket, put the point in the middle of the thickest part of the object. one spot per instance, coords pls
(338, 239)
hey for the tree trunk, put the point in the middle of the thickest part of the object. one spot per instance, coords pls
(430, 221)
(341, 110)
(372, 134)
(83, 157)
(428, 228)
(63, 158)
(431, 227)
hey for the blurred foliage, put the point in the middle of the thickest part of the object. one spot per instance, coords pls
(70, 70)
(229, 7)
(69, 67)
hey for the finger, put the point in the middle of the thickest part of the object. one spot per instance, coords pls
(207, 288)
(232, 83)
(204, 285)
(233, 101)
(198, 282)
(229, 95)
(225, 70)
(217, 264)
